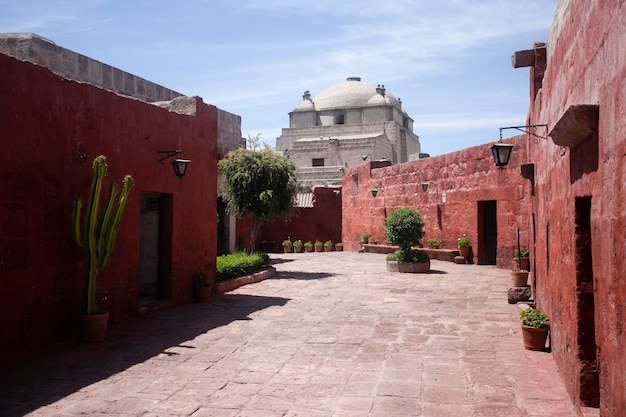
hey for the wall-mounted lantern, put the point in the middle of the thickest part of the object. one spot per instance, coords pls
(424, 186)
(179, 165)
(501, 154)
(374, 192)
(502, 151)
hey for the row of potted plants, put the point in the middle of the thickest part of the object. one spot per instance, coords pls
(319, 246)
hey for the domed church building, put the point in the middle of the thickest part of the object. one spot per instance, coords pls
(343, 126)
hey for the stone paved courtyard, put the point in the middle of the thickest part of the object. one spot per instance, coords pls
(332, 334)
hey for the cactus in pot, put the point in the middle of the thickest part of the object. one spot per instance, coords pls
(96, 232)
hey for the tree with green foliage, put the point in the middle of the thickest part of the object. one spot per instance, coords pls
(405, 228)
(258, 183)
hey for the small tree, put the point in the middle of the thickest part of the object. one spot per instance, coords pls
(405, 228)
(261, 184)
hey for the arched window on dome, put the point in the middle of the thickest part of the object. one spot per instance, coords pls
(340, 119)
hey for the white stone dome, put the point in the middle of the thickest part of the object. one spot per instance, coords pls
(352, 93)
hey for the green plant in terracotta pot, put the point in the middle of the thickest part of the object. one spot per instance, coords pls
(203, 290)
(308, 246)
(328, 246)
(297, 246)
(96, 234)
(535, 326)
(287, 245)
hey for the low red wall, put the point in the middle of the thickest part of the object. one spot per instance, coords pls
(51, 130)
(457, 182)
(321, 222)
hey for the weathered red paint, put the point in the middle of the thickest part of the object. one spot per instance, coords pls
(51, 130)
(465, 177)
(584, 293)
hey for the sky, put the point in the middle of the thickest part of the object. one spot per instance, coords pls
(448, 61)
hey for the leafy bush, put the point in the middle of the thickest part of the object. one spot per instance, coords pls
(328, 243)
(409, 256)
(318, 243)
(297, 243)
(463, 241)
(238, 264)
(364, 237)
(287, 242)
(308, 244)
(433, 241)
(521, 253)
(405, 228)
(533, 317)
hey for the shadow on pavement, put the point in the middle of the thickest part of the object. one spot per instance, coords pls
(302, 275)
(30, 380)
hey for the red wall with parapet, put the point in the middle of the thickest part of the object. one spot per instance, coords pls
(580, 273)
(457, 182)
(321, 222)
(51, 129)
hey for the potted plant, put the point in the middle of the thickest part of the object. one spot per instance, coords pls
(373, 240)
(328, 246)
(519, 277)
(364, 240)
(433, 243)
(405, 228)
(535, 326)
(338, 246)
(318, 246)
(308, 246)
(521, 260)
(463, 243)
(297, 246)
(96, 234)
(287, 245)
(202, 288)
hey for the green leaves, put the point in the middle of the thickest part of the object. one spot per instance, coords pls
(405, 228)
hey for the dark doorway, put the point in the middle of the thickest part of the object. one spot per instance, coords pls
(487, 232)
(150, 230)
(585, 306)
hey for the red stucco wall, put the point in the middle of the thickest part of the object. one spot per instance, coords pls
(51, 129)
(321, 222)
(457, 183)
(586, 65)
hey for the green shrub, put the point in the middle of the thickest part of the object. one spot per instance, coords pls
(318, 243)
(308, 244)
(328, 243)
(463, 242)
(521, 253)
(287, 242)
(405, 228)
(297, 243)
(408, 256)
(238, 264)
(533, 317)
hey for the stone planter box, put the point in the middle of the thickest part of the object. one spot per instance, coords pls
(234, 283)
(408, 267)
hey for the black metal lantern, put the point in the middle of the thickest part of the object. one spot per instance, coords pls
(179, 165)
(501, 153)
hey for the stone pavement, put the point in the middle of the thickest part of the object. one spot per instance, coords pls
(333, 334)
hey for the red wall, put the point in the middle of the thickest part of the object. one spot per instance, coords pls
(585, 296)
(465, 177)
(51, 130)
(322, 222)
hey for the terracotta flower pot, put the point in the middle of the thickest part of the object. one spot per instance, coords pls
(535, 338)
(93, 327)
(203, 294)
(464, 251)
(519, 278)
(298, 249)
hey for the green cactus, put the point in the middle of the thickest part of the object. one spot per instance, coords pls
(99, 231)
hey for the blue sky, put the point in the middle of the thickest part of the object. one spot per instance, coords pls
(449, 61)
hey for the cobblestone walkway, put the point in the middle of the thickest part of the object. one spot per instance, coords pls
(333, 334)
